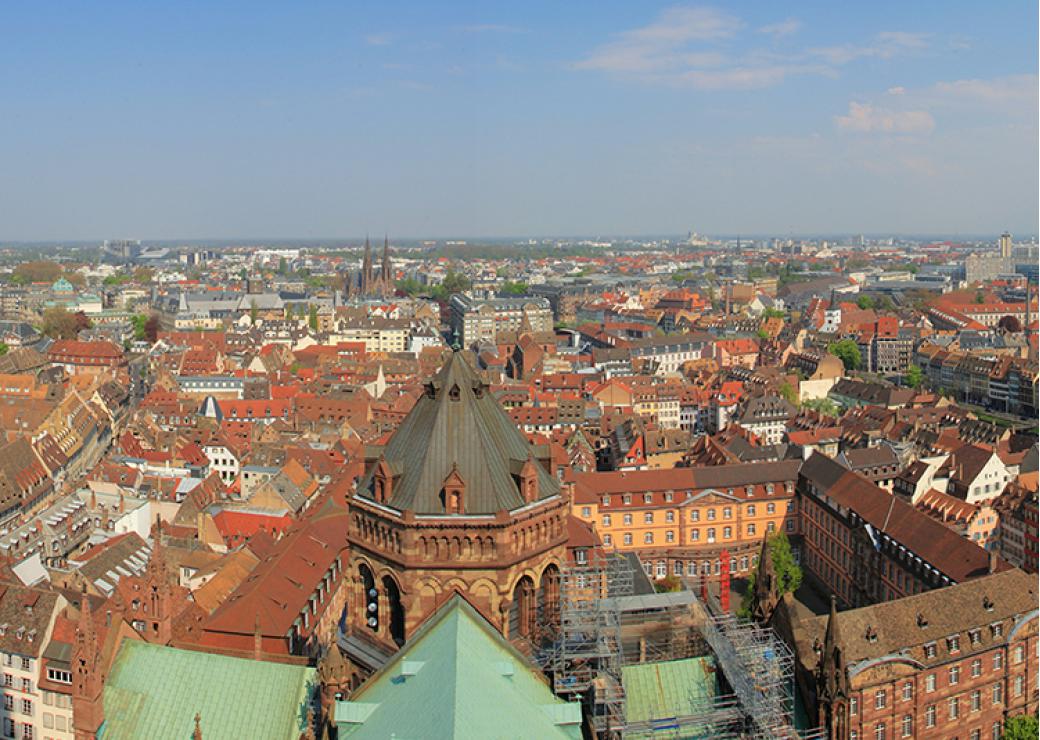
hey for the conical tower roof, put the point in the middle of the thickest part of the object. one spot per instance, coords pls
(458, 427)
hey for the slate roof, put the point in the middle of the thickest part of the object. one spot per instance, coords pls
(154, 691)
(458, 423)
(766, 408)
(457, 678)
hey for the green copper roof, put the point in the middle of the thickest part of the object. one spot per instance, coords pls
(458, 424)
(457, 678)
(155, 691)
(657, 693)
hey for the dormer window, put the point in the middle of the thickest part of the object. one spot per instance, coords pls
(383, 481)
(453, 493)
(953, 643)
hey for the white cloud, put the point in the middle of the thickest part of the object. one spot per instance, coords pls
(898, 90)
(885, 45)
(734, 78)
(379, 39)
(662, 44)
(1012, 89)
(783, 28)
(690, 46)
(865, 118)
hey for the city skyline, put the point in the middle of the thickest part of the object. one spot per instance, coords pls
(252, 121)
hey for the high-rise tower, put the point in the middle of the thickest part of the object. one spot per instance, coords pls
(1005, 245)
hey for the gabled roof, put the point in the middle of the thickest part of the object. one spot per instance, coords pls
(457, 425)
(894, 627)
(957, 558)
(457, 678)
(280, 586)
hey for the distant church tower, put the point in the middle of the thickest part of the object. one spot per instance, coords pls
(367, 277)
(386, 277)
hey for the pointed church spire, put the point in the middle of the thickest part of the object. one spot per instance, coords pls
(766, 596)
(86, 635)
(386, 269)
(366, 268)
(832, 668)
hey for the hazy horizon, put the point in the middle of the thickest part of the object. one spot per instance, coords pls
(209, 121)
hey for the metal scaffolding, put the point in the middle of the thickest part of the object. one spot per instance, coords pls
(598, 614)
(760, 669)
(585, 658)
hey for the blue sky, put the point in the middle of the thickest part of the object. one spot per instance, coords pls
(237, 120)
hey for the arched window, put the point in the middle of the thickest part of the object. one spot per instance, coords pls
(393, 600)
(370, 600)
(522, 612)
(550, 601)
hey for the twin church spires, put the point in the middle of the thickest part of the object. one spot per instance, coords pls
(368, 283)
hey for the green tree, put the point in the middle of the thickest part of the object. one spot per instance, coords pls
(823, 406)
(454, 282)
(283, 266)
(312, 317)
(408, 286)
(865, 302)
(847, 351)
(789, 394)
(254, 312)
(914, 376)
(774, 313)
(1021, 727)
(762, 334)
(3, 348)
(980, 297)
(885, 304)
(912, 268)
(514, 288)
(788, 573)
(144, 275)
(117, 278)
(288, 310)
(139, 322)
